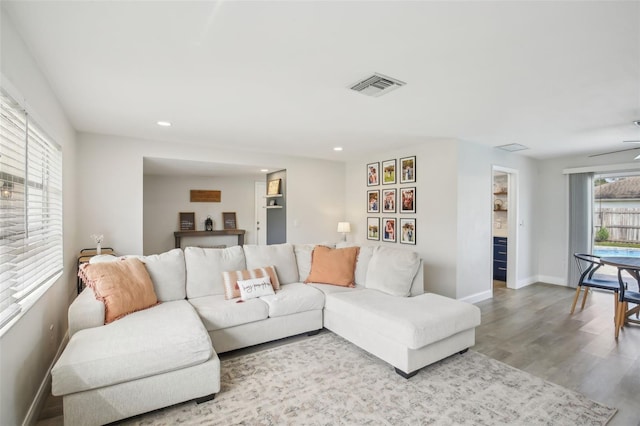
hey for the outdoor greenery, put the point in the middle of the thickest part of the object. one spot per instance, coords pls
(602, 234)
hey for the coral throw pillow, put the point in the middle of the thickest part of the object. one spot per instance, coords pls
(123, 286)
(333, 266)
(231, 278)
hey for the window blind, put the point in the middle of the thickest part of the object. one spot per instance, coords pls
(30, 208)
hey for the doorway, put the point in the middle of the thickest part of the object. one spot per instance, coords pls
(260, 223)
(504, 227)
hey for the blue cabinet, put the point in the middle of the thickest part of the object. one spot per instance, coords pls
(500, 258)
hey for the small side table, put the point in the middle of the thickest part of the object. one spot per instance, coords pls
(85, 255)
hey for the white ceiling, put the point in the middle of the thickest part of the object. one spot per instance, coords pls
(560, 77)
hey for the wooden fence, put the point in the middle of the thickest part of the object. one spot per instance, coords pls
(623, 223)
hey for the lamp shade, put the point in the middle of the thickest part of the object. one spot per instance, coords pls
(344, 227)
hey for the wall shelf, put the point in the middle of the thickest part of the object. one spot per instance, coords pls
(273, 207)
(273, 196)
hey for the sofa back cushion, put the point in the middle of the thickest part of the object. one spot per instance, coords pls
(362, 263)
(303, 259)
(205, 267)
(392, 270)
(279, 255)
(167, 272)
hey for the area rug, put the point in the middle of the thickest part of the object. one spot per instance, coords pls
(325, 380)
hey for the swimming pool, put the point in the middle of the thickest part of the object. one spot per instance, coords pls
(616, 251)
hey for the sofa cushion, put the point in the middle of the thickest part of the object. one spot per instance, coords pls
(167, 337)
(392, 270)
(279, 255)
(412, 321)
(217, 313)
(294, 298)
(329, 288)
(205, 267)
(124, 286)
(333, 266)
(231, 278)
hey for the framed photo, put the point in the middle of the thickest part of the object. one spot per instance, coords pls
(373, 201)
(389, 229)
(389, 200)
(408, 169)
(273, 188)
(389, 172)
(407, 231)
(187, 221)
(408, 200)
(373, 175)
(373, 228)
(229, 220)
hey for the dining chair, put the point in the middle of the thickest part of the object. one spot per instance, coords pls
(626, 296)
(588, 264)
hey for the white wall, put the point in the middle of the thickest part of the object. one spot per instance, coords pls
(166, 196)
(29, 346)
(553, 216)
(453, 215)
(475, 198)
(112, 193)
(436, 205)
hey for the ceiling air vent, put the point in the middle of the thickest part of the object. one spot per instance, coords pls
(377, 85)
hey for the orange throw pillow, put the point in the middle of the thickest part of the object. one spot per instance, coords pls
(123, 286)
(333, 266)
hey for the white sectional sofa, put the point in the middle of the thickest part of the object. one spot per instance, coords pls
(167, 354)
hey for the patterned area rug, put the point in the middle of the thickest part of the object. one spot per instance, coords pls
(325, 380)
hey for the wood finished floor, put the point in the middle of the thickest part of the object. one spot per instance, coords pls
(531, 329)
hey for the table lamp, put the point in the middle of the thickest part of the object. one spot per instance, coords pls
(345, 228)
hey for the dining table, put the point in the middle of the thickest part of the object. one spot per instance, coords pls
(632, 266)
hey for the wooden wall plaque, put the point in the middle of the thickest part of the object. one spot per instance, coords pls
(204, 196)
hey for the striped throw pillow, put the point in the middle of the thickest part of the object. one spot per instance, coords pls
(231, 278)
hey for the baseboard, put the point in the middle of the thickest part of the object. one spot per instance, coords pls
(552, 280)
(41, 396)
(525, 282)
(478, 297)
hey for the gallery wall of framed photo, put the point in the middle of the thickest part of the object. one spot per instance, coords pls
(391, 200)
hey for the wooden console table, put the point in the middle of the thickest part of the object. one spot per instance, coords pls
(239, 232)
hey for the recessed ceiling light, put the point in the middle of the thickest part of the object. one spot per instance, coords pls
(512, 147)
(264, 170)
(164, 123)
(337, 148)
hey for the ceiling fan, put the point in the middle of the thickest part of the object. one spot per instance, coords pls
(637, 157)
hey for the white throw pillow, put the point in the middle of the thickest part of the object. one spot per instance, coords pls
(255, 287)
(392, 270)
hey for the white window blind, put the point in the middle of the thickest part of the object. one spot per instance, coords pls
(30, 208)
